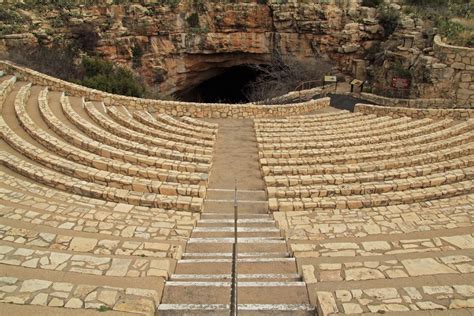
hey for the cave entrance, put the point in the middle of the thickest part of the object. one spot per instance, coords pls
(227, 87)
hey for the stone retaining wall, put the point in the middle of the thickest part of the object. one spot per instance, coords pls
(406, 103)
(461, 60)
(457, 114)
(200, 110)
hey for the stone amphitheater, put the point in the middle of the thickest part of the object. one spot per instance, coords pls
(114, 205)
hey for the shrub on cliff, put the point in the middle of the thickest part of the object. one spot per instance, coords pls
(389, 18)
(103, 75)
(371, 3)
(453, 19)
(85, 37)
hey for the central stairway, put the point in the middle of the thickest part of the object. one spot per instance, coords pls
(267, 274)
(268, 281)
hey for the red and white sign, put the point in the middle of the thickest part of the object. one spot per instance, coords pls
(400, 83)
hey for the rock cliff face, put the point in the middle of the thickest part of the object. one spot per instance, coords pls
(179, 46)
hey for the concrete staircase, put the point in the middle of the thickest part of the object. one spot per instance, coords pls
(268, 280)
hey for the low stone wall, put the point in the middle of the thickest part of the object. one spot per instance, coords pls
(406, 103)
(199, 110)
(457, 114)
(461, 60)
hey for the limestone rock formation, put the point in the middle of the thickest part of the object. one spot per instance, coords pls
(183, 45)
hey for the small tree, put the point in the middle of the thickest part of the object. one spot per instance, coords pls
(283, 74)
(103, 75)
(389, 18)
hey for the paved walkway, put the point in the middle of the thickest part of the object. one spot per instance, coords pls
(236, 163)
(267, 273)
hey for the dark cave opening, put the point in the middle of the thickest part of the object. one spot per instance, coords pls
(227, 87)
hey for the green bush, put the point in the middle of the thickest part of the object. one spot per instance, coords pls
(371, 3)
(85, 37)
(137, 54)
(401, 71)
(389, 18)
(103, 75)
(193, 20)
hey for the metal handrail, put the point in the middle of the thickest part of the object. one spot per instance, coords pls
(234, 291)
(308, 85)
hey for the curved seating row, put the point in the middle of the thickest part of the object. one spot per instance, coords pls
(135, 125)
(412, 160)
(147, 119)
(101, 199)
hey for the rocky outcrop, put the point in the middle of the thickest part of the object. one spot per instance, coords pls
(180, 46)
(435, 69)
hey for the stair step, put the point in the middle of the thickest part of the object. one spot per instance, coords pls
(239, 284)
(196, 294)
(274, 267)
(242, 307)
(229, 276)
(243, 216)
(239, 229)
(275, 307)
(244, 254)
(193, 307)
(227, 207)
(247, 240)
(222, 194)
(211, 260)
(239, 221)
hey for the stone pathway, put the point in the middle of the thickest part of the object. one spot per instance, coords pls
(267, 274)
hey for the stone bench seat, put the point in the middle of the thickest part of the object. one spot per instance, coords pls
(64, 240)
(108, 124)
(372, 200)
(390, 268)
(68, 295)
(355, 120)
(84, 263)
(348, 129)
(199, 123)
(414, 136)
(70, 184)
(23, 207)
(307, 117)
(465, 138)
(147, 119)
(308, 135)
(450, 298)
(449, 213)
(87, 158)
(338, 118)
(104, 136)
(382, 247)
(372, 166)
(118, 115)
(383, 175)
(169, 120)
(354, 137)
(197, 173)
(433, 180)
(168, 224)
(92, 174)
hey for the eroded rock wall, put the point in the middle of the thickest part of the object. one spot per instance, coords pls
(183, 45)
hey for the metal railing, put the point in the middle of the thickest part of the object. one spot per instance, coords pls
(310, 84)
(234, 289)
